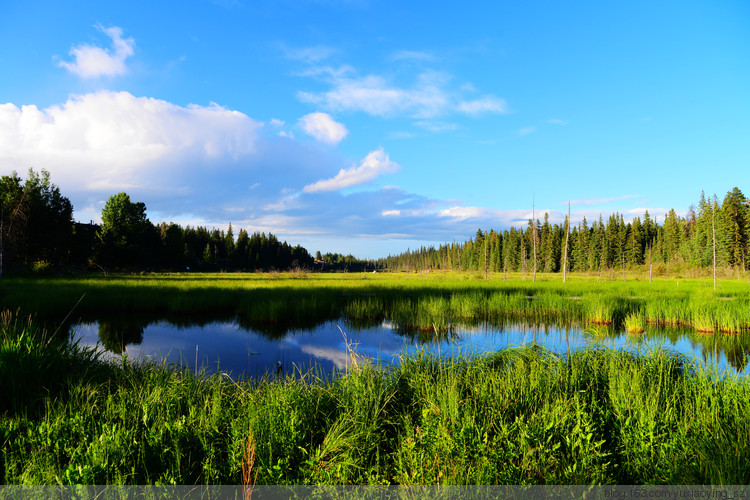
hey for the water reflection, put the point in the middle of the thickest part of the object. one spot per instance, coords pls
(116, 335)
(242, 347)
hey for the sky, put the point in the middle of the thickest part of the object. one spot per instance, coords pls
(369, 127)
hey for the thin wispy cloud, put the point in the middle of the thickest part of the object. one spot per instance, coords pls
(411, 55)
(525, 131)
(431, 94)
(373, 165)
(375, 96)
(323, 128)
(597, 201)
(557, 121)
(487, 104)
(310, 55)
(90, 61)
(400, 135)
(436, 126)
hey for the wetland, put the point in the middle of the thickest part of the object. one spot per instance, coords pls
(385, 379)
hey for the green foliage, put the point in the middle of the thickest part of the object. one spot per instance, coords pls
(126, 235)
(517, 416)
(615, 245)
(37, 221)
(41, 267)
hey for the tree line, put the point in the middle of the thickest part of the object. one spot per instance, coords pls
(37, 233)
(595, 246)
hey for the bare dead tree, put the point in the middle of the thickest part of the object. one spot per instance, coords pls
(713, 231)
(533, 232)
(523, 256)
(565, 250)
(485, 254)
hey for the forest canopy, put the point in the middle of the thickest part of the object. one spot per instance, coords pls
(37, 233)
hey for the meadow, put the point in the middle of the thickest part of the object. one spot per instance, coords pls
(516, 416)
(431, 301)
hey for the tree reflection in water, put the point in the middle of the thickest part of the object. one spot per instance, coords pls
(116, 335)
(285, 336)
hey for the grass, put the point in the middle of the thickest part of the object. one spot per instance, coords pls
(635, 323)
(434, 301)
(518, 416)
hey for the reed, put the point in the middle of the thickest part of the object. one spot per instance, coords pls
(517, 416)
(600, 311)
(414, 301)
(635, 323)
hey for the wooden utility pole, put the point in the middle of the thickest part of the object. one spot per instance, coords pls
(565, 251)
(713, 231)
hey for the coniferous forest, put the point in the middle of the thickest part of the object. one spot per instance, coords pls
(685, 242)
(38, 234)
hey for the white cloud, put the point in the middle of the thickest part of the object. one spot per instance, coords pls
(463, 213)
(114, 140)
(342, 358)
(210, 165)
(487, 104)
(323, 128)
(526, 131)
(373, 165)
(557, 121)
(90, 61)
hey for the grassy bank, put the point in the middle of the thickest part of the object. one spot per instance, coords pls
(419, 301)
(516, 416)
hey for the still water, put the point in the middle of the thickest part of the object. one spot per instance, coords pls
(239, 350)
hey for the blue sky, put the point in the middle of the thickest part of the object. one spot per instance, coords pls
(369, 127)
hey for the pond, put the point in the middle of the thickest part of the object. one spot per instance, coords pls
(239, 350)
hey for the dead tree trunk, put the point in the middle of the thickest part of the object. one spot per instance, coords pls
(533, 234)
(565, 250)
(713, 231)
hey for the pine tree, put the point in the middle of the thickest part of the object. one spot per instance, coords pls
(734, 228)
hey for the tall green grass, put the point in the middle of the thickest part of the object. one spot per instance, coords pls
(518, 416)
(277, 302)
